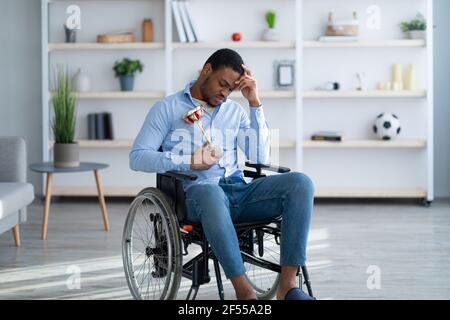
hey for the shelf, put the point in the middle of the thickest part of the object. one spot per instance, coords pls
(274, 94)
(160, 95)
(283, 144)
(232, 44)
(106, 144)
(369, 144)
(370, 193)
(365, 94)
(106, 46)
(392, 193)
(128, 143)
(367, 44)
(239, 45)
(121, 95)
(102, 144)
(269, 94)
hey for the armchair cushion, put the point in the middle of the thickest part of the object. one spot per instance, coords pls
(13, 159)
(14, 196)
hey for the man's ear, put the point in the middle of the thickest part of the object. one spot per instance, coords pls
(207, 69)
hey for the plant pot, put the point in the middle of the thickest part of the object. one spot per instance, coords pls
(66, 155)
(417, 34)
(271, 34)
(127, 83)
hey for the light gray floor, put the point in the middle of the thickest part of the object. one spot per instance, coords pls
(400, 250)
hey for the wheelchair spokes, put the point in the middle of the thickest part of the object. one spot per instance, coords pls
(261, 255)
(149, 250)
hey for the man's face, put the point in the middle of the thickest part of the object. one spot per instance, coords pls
(218, 84)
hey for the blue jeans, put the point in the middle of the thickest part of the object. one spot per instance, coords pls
(217, 207)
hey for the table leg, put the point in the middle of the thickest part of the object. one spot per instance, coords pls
(48, 196)
(101, 200)
(16, 233)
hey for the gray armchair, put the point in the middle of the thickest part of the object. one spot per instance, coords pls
(15, 193)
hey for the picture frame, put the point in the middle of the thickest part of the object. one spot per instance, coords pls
(284, 74)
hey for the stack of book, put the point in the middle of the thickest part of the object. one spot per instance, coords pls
(184, 22)
(100, 126)
(327, 136)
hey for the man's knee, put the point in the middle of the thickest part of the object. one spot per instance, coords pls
(299, 181)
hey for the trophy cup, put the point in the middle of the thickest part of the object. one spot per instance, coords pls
(193, 117)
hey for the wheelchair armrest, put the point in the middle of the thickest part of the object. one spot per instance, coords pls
(267, 167)
(259, 167)
(180, 175)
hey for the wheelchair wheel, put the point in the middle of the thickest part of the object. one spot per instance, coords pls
(263, 245)
(151, 247)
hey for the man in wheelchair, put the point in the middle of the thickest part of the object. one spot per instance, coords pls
(220, 197)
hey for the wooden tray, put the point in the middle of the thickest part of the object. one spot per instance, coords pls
(115, 38)
(342, 30)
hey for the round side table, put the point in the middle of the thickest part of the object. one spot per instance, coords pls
(49, 169)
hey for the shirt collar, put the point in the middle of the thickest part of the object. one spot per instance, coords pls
(187, 91)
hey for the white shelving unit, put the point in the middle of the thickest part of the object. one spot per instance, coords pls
(358, 167)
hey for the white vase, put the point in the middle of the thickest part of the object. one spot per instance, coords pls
(271, 34)
(81, 81)
(417, 34)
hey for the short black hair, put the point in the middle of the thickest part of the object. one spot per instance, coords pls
(226, 58)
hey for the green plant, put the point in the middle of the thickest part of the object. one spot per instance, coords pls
(270, 18)
(418, 23)
(64, 106)
(127, 67)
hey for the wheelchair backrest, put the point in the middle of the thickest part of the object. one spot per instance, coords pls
(173, 188)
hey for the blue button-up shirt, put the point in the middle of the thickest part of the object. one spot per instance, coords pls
(229, 127)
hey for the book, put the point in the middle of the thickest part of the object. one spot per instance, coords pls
(91, 126)
(186, 23)
(188, 9)
(338, 38)
(99, 126)
(327, 136)
(178, 21)
(108, 126)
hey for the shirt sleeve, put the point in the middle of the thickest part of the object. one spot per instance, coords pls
(254, 136)
(145, 156)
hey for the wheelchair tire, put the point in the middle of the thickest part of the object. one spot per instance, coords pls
(151, 247)
(265, 282)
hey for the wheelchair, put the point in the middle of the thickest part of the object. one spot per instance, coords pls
(157, 235)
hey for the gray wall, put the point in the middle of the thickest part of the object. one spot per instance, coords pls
(20, 83)
(442, 98)
(20, 80)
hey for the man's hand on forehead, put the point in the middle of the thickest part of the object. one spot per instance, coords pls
(248, 86)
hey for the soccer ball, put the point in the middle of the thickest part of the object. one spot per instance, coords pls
(387, 126)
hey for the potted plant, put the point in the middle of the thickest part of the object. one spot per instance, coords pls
(66, 151)
(270, 34)
(125, 70)
(416, 28)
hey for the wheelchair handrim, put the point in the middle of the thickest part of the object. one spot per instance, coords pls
(169, 270)
(264, 281)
